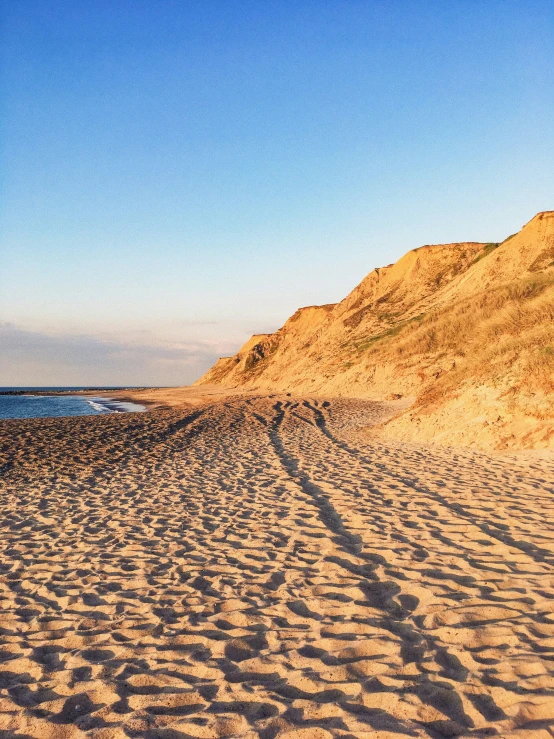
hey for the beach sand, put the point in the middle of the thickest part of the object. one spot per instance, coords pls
(172, 397)
(256, 567)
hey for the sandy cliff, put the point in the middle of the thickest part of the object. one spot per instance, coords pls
(464, 330)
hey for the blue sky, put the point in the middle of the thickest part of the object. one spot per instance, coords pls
(177, 175)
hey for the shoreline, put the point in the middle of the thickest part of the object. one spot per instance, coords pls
(99, 400)
(152, 397)
(184, 397)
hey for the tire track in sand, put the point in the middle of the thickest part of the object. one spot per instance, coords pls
(238, 574)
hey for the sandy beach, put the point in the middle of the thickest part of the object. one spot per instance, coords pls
(257, 567)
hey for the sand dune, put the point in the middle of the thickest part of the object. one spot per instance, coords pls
(465, 330)
(259, 568)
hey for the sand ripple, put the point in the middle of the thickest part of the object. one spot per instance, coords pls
(257, 568)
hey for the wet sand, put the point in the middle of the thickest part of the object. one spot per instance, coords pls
(258, 568)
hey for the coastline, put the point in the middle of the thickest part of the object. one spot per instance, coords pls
(186, 396)
(149, 396)
(28, 403)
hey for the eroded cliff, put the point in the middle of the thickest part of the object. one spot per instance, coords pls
(465, 331)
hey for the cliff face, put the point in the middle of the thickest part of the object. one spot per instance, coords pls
(263, 352)
(310, 349)
(464, 329)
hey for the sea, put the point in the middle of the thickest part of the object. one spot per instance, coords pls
(28, 405)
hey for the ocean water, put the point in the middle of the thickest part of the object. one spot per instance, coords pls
(51, 406)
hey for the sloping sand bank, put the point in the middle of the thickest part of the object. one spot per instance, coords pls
(465, 330)
(256, 568)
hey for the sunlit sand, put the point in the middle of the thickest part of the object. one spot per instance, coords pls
(255, 567)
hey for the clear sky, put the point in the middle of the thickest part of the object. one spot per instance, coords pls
(177, 175)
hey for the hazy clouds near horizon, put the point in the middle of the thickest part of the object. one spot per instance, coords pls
(51, 359)
(179, 175)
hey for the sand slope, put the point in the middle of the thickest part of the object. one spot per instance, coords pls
(258, 568)
(466, 330)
